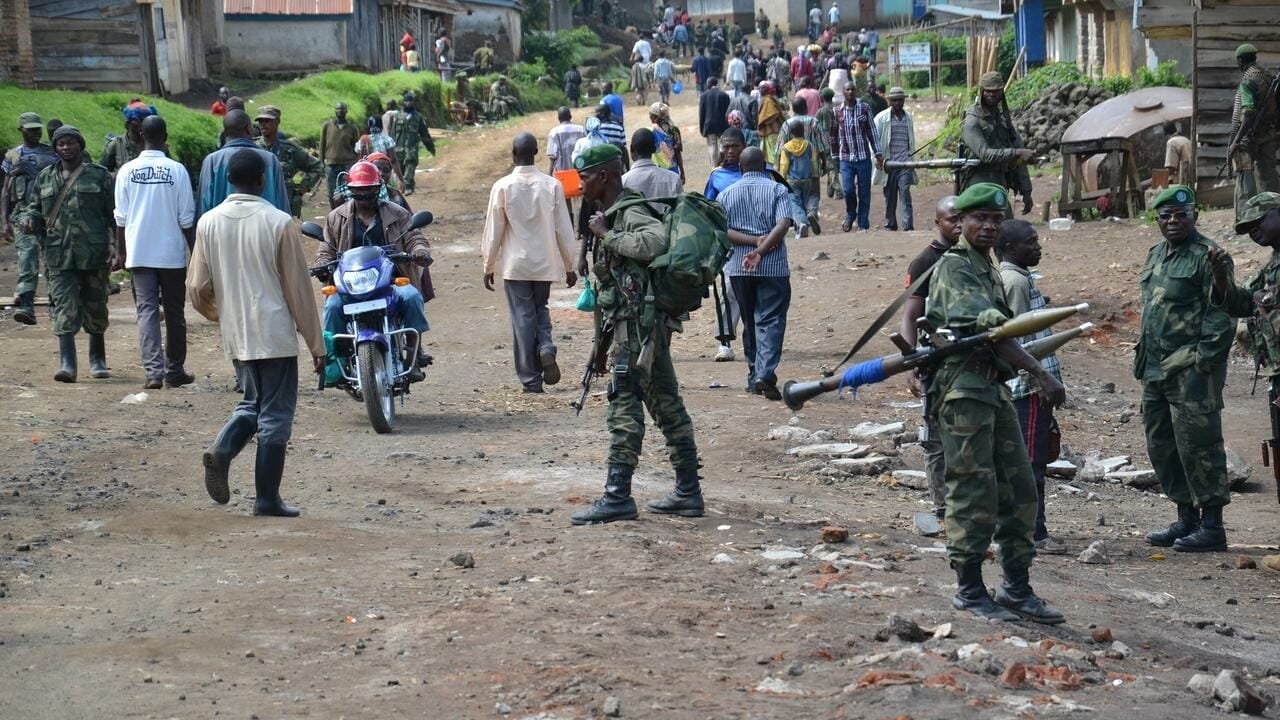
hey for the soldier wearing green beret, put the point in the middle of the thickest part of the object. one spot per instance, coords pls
(1181, 361)
(988, 134)
(73, 204)
(639, 361)
(293, 159)
(1253, 129)
(991, 489)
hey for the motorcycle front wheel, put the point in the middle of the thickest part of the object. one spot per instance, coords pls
(375, 384)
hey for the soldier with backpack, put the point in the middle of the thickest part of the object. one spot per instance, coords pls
(642, 294)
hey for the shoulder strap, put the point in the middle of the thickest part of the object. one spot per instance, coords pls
(887, 313)
(52, 221)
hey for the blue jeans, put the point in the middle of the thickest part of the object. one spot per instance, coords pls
(413, 313)
(857, 197)
(804, 201)
(764, 302)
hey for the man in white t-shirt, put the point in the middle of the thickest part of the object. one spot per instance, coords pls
(155, 225)
(643, 49)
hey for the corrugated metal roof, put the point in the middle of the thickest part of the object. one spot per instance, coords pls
(287, 7)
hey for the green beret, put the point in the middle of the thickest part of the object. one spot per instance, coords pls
(1175, 195)
(991, 81)
(1255, 209)
(827, 93)
(597, 155)
(983, 196)
(1246, 49)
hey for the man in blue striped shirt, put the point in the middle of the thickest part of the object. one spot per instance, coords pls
(759, 214)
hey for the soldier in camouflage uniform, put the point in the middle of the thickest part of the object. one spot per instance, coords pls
(293, 159)
(991, 490)
(988, 134)
(1254, 109)
(1181, 361)
(73, 206)
(1259, 299)
(642, 375)
(20, 167)
(120, 149)
(410, 131)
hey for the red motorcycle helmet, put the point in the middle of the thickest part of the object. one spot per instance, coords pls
(363, 175)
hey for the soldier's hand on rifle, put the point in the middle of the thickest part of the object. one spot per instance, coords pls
(1021, 156)
(597, 225)
(488, 282)
(570, 279)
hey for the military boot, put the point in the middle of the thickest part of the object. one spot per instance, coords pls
(1188, 522)
(1211, 537)
(98, 356)
(24, 310)
(217, 458)
(1016, 595)
(972, 594)
(67, 358)
(615, 504)
(267, 473)
(685, 500)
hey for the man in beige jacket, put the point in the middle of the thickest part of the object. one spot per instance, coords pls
(529, 239)
(248, 273)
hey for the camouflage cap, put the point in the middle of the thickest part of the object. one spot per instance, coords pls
(268, 112)
(991, 81)
(1175, 195)
(983, 196)
(597, 155)
(1246, 49)
(30, 121)
(1255, 209)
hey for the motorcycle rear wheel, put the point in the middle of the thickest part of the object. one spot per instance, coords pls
(375, 385)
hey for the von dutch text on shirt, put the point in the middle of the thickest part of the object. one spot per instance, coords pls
(150, 175)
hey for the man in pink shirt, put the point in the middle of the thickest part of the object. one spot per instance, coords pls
(529, 239)
(810, 95)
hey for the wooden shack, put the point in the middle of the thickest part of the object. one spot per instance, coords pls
(1214, 28)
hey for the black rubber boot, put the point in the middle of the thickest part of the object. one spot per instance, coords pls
(685, 500)
(24, 310)
(267, 472)
(972, 594)
(615, 504)
(98, 356)
(217, 459)
(67, 358)
(1187, 523)
(1016, 595)
(1211, 537)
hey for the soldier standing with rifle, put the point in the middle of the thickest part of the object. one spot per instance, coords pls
(991, 490)
(1253, 130)
(637, 343)
(1258, 300)
(20, 167)
(988, 135)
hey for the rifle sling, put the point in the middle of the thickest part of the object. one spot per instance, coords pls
(887, 313)
(56, 210)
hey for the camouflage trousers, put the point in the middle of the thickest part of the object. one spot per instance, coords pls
(79, 300)
(1262, 177)
(408, 167)
(991, 491)
(1183, 419)
(657, 389)
(28, 247)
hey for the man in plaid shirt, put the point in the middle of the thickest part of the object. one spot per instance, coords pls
(1019, 251)
(853, 146)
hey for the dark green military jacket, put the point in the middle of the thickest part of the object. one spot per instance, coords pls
(411, 131)
(1250, 96)
(118, 151)
(294, 160)
(1259, 300)
(635, 237)
(967, 297)
(80, 238)
(990, 137)
(1180, 326)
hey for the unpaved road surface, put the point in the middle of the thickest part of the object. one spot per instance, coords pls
(128, 594)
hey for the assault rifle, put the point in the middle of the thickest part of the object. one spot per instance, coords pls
(1244, 136)
(1271, 446)
(597, 363)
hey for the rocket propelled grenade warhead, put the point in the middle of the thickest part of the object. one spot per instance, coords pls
(872, 371)
(1034, 321)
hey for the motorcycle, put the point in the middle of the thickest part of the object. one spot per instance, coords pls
(376, 355)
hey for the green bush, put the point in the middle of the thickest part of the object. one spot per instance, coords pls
(1033, 84)
(192, 134)
(307, 103)
(1166, 74)
(559, 51)
(952, 49)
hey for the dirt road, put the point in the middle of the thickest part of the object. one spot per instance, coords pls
(128, 594)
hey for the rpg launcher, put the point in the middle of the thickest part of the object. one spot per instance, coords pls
(941, 345)
(936, 164)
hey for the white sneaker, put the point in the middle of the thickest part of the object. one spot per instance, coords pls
(724, 354)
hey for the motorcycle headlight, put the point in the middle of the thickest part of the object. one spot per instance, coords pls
(359, 282)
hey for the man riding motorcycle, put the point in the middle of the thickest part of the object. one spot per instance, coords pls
(367, 220)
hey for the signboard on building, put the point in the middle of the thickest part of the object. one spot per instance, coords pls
(915, 56)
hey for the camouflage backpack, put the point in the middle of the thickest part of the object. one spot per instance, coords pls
(697, 248)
